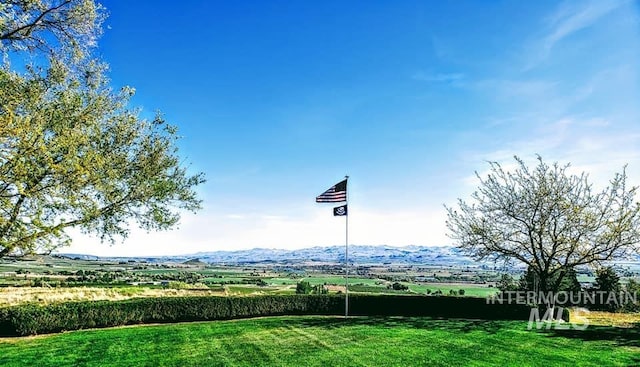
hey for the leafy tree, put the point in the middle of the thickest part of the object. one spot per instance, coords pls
(72, 153)
(570, 282)
(303, 287)
(529, 281)
(633, 289)
(632, 286)
(546, 218)
(607, 280)
(319, 289)
(506, 283)
(399, 287)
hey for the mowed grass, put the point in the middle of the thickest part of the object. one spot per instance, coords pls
(328, 341)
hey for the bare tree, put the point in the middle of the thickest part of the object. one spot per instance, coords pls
(546, 218)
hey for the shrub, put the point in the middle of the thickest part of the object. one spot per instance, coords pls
(633, 289)
(303, 287)
(506, 283)
(450, 307)
(36, 319)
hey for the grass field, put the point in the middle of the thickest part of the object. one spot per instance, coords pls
(325, 341)
(606, 318)
(16, 295)
(473, 290)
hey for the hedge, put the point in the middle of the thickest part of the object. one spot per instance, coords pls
(33, 319)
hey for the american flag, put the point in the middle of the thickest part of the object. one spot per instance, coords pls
(336, 193)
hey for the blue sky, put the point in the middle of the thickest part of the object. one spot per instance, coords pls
(277, 101)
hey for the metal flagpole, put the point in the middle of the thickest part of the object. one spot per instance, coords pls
(346, 253)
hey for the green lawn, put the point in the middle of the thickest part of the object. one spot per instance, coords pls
(328, 341)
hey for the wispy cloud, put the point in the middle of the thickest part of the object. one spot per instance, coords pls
(438, 77)
(526, 88)
(568, 19)
(590, 145)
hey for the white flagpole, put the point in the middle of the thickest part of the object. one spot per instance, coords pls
(346, 253)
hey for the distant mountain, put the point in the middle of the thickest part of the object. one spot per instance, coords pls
(383, 254)
(194, 262)
(335, 254)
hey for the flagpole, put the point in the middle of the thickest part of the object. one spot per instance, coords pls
(346, 254)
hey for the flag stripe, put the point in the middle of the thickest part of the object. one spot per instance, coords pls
(335, 194)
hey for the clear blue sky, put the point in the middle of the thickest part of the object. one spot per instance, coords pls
(278, 100)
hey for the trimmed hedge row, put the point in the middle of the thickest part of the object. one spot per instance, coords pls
(449, 307)
(33, 319)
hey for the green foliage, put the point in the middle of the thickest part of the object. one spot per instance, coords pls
(632, 288)
(319, 289)
(569, 282)
(303, 287)
(72, 153)
(506, 283)
(399, 287)
(607, 280)
(548, 219)
(36, 319)
(530, 281)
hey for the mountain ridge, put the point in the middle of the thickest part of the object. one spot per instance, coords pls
(365, 254)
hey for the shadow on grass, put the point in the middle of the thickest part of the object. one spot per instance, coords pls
(618, 336)
(629, 337)
(455, 325)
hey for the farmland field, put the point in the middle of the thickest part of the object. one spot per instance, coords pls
(46, 279)
(322, 341)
